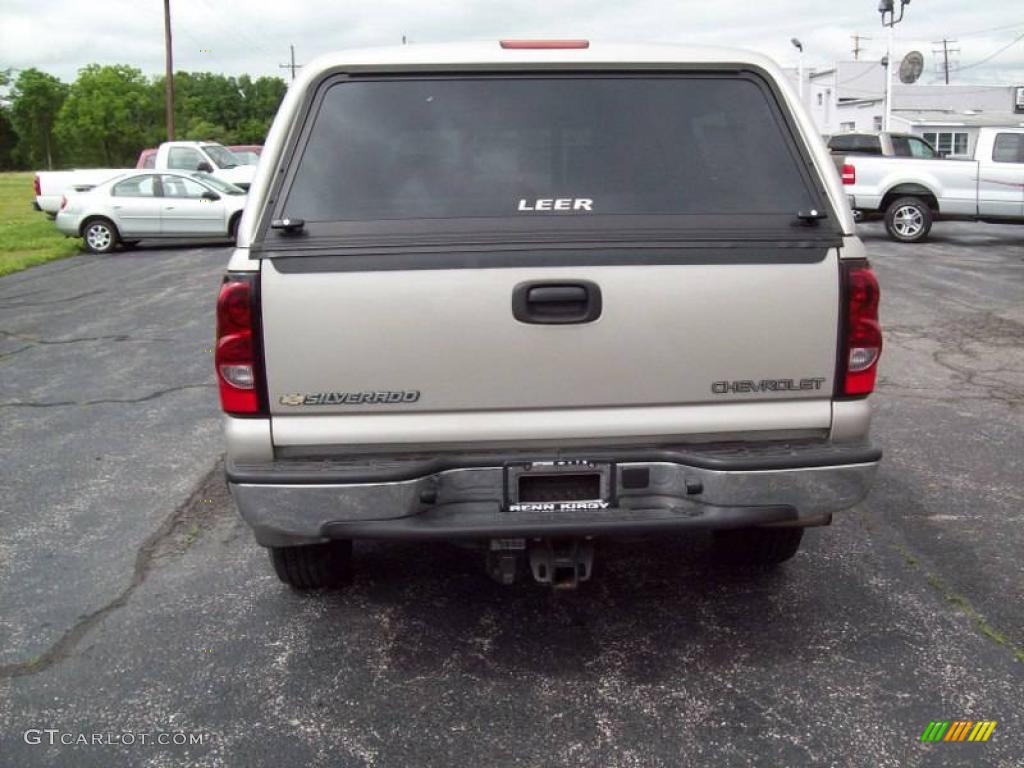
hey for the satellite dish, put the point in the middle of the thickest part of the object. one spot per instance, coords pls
(911, 67)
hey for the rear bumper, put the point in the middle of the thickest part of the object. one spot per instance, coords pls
(68, 223)
(464, 496)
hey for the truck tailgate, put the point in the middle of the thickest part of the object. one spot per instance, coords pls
(447, 342)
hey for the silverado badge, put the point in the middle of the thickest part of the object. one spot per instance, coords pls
(350, 398)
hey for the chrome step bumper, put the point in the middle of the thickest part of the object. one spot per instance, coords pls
(289, 506)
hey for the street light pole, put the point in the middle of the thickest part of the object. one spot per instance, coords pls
(887, 123)
(888, 8)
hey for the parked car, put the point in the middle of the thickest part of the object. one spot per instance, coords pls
(205, 156)
(245, 154)
(249, 154)
(139, 205)
(533, 294)
(912, 193)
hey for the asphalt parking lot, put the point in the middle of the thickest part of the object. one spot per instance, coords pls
(136, 602)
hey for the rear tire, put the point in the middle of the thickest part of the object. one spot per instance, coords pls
(757, 547)
(908, 220)
(99, 235)
(233, 226)
(315, 566)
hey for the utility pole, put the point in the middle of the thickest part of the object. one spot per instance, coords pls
(856, 45)
(293, 66)
(168, 72)
(946, 50)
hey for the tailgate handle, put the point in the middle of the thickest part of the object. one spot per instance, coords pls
(562, 302)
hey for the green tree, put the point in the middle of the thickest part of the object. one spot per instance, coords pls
(207, 96)
(198, 129)
(222, 108)
(36, 100)
(109, 115)
(9, 161)
(251, 131)
(261, 97)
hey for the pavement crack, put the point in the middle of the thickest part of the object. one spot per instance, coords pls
(78, 340)
(144, 560)
(45, 302)
(12, 353)
(22, 295)
(961, 603)
(106, 401)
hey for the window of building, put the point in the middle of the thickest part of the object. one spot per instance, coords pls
(877, 122)
(948, 142)
(851, 126)
(821, 99)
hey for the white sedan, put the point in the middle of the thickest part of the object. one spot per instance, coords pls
(150, 204)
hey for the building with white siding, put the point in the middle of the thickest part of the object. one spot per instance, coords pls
(850, 96)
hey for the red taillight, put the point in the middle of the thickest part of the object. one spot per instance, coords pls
(236, 355)
(35, 185)
(63, 202)
(849, 174)
(544, 45)
(862, 333)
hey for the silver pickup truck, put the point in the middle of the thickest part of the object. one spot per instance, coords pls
(911, 193)
(533, 294)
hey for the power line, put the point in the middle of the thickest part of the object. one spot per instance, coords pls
(991, 55)
(946, 50)
(293, 66)
(233, 30)
(865, 71)
(993, 29)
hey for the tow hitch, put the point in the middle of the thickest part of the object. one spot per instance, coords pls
(560, 563)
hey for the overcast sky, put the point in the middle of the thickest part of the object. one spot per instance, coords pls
(236, 36)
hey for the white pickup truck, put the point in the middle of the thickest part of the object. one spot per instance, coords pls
(207, 156)
(911, 193)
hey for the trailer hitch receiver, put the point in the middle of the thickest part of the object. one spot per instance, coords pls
(562, 564)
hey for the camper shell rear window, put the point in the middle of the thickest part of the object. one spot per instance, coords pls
(553, 154)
